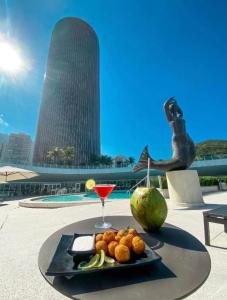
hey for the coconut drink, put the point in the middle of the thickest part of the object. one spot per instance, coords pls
(149, 208)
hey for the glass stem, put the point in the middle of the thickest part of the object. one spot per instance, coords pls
(103, 210)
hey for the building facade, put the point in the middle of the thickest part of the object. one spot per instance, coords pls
(70, 106)
(3, 143)
(19, 149)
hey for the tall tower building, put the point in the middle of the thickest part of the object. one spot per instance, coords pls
(70, 106)
(18, 149)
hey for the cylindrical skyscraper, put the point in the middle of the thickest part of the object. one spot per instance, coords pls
(70, 107)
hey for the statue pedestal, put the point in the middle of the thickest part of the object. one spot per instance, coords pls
(184, 188)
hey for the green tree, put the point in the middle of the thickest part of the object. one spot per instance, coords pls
(105, 160)
(97, 160)
(131, 160)
(50, 155)
(55, 155)
(68, 155)
(211, 147)
(94, 160)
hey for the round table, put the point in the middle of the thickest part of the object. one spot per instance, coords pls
(185, 265)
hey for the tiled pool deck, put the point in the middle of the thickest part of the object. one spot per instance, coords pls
(23, 230)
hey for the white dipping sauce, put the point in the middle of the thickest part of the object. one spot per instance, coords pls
(83, 243)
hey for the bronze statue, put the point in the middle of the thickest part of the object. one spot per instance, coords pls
(182, 145)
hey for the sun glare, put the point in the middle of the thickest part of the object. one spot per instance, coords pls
(10, 60)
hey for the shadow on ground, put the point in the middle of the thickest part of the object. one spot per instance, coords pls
(183, 239)
(107, 280)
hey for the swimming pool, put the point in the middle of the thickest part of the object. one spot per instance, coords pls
(71, 198)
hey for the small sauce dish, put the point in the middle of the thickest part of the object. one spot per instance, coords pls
(82, 246)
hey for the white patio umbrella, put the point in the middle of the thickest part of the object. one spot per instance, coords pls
(8, 173)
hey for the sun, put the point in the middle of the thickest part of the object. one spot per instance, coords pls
(10, 60)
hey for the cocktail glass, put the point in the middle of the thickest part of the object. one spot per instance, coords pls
(103, 190)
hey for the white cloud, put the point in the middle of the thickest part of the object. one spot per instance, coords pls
(2, 121)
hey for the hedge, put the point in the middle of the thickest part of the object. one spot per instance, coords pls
(204, 181)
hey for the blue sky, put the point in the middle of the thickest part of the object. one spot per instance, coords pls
(149, 51)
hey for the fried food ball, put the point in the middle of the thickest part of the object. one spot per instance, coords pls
(99, 237)
(121, 232)
(127, 240)
(122, 253)
(138, 245)
(101, 245)
(132, 231)
(117, 238)
(111, 248)
(108, 236)
(119, 235)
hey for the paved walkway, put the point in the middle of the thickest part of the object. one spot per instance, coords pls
(23, 230)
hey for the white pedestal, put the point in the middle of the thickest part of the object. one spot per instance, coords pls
(184, 188)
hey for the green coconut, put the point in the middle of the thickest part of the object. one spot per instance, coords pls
(149, 208)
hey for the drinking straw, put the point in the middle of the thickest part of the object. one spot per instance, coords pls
(148, 173)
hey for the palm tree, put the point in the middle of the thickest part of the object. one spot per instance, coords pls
(50, 155)
(100, 160)
(106, 160)
(94, 160)
(68, 154)
(55, 155)
(131, 160)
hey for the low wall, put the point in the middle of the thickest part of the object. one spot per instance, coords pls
(209, 189)
(204, 189)
(35, 203)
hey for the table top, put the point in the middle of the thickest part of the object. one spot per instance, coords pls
(217, 212)
(184, 267)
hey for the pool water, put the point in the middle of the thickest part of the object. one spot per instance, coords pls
(62, 198)
(73, 198)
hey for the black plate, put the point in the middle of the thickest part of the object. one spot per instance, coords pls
(62, 263)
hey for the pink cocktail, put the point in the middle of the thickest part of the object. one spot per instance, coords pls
(103, 190)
